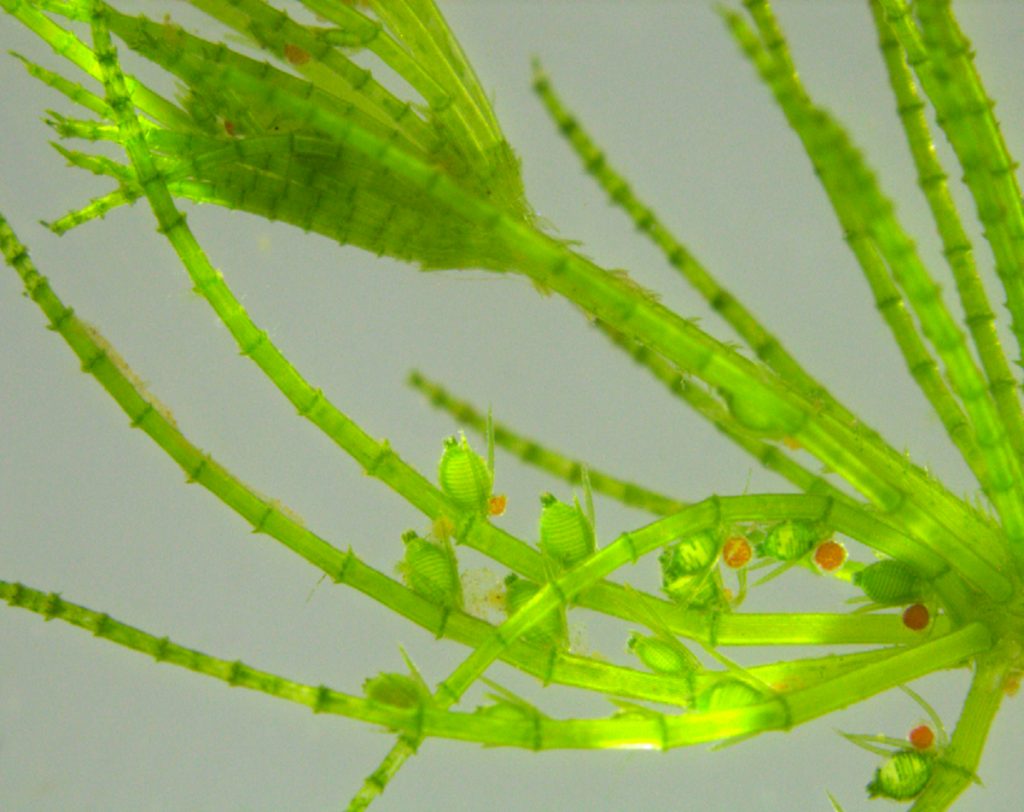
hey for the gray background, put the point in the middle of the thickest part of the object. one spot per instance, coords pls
(97, 512)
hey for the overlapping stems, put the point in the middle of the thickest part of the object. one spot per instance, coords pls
(920, 505)
(898, 277)
(271, 518)
(377, 459)
(649, 730)
(447, 167)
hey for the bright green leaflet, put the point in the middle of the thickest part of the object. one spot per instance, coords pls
(353, 161)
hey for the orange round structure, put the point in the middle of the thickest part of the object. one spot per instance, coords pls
(921, 737)
(829, 555)
(737, 552)
(916, 617)
(496, 504)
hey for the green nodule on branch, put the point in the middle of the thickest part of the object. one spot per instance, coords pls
(365, 123)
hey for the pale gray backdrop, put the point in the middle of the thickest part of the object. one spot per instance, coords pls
(95, 511)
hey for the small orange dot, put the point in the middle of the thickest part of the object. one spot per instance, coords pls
(496, 505)
(296, 55)
(229, 127)
(921, 737)
(736, 552)
(1012, 683)
(792, 443)
(829, 555)
(916, 617)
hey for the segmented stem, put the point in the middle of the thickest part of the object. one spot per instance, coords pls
(864, 211)
(271, 518)
(534, 731)
(957, 249)
(940, 57)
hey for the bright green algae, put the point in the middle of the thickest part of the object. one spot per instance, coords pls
(312, 138)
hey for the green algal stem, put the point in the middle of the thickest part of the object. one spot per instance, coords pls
(717, 414)
(72, 90)
(52, 606)
(718, 628)
(978, 314)
(822, 139)
(859, 202)
(67, 45)
(539, 733)
(618, 303)
(93, 210)
(272, 519)
(957, 767)
(664, 732)
(363, 32)
(549, 263)
(77, 128)
(96, 164)
(127, 194)
(181, 52)
(376, 458)
(787, 676)
(611, 298)
(765, 345)
(531, 452)
(419, 24)
(377, 781)
(964, 111)
(269, 518)
(328, 69)
(254, 343)
(989, 169)
(147, 414)
(558, 593)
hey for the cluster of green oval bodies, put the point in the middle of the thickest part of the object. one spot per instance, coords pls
(663, 657)
(686, 563)
(566, 534)
(692, 555)
(567, 538)
(688, 575)
(890, 583)
(902, 776)
(464, 476)
(790, 540)
(684, 569)
(399, 690)
(431, 571)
